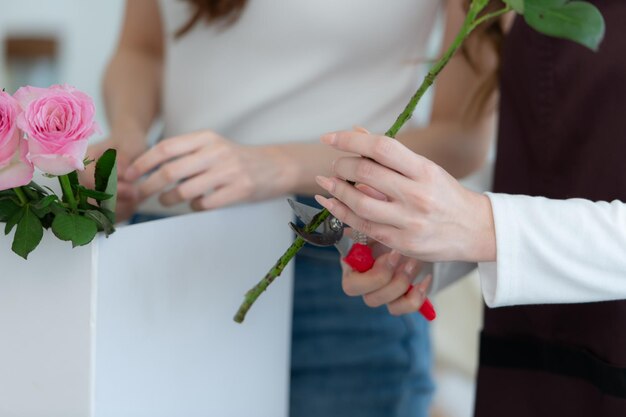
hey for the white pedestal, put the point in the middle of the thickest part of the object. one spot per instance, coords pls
(140, 324)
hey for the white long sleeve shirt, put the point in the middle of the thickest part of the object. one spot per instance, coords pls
(550, 251)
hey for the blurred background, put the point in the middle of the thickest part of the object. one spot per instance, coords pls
(70, 41)
(46, 42)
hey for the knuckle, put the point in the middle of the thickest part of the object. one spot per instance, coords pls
(364, 170)
(383, 279)
(371, 301)
(393, 310)
(200, 204)
(247, 185)
(169, 173)
(362, 207)
(383, 147)
(184, 192)
(165, 149)
(381, 237)
(414, 198)
(415, 303)
(348, 287)
(365, 227)
(224, 150)
(339, 212)
(206, 203)
(430, 171)
(408, 245)
(416, 224)
(428, 204)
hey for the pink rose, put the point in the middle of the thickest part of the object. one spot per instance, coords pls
(15, 169)
(58, 122)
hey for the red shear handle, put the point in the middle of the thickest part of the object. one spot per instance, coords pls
(360, 259)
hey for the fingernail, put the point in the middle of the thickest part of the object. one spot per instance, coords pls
(409, 268)
(325, 183)
(329, 138)
(325, 202)
(393, 259)
(428, 311)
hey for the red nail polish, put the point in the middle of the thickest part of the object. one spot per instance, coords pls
(428, 311)
(360, 258)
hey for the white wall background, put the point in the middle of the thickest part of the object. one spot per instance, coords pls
(87, 31)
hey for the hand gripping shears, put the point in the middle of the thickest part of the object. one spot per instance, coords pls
(356, 253)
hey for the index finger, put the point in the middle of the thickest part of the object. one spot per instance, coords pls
(384, 150)
(163, 151)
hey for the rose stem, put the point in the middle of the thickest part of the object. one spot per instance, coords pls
(470, 23)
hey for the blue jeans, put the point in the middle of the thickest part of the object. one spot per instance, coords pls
(348, 359)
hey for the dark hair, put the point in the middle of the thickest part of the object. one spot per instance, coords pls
(492, 35)
(212, 11)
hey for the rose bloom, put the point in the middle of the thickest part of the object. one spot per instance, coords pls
(15, 169)
(58, 122)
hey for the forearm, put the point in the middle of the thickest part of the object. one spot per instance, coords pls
(300, 163)
(459, 149)
(132, 94)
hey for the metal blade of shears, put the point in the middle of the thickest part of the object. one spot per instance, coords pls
(330, 232)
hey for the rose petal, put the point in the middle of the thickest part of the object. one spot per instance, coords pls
(25, 95)
(8, 149)
(19, 171)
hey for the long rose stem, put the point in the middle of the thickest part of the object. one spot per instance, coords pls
(470, 23)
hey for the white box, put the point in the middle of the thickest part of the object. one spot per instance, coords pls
(140, 324)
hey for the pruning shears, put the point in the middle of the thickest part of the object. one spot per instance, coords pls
(355, 252)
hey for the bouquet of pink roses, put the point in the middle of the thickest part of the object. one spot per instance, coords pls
(49, 129)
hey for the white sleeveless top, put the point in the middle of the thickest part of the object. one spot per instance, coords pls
(291, 70)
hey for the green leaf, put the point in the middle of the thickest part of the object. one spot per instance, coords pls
(104, 223)
(37, 187)
(14, 219)
(8, 208)
(58, 208)
(31, 194)
(109, 214)
(96, 195)
(44, 202)
(75, 228)
(106, 178)
(28, 234)
(578, 21)
(43, 207)
(104, 168)
(517, 5)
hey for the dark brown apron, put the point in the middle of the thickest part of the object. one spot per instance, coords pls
(562, 134)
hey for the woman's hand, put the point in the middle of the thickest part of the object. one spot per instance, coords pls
(389, 282)
(427, 214)
(210, 171)
(127, 193)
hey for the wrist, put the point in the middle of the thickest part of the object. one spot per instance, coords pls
(129, 141)
(480, 243)
(286, 169)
